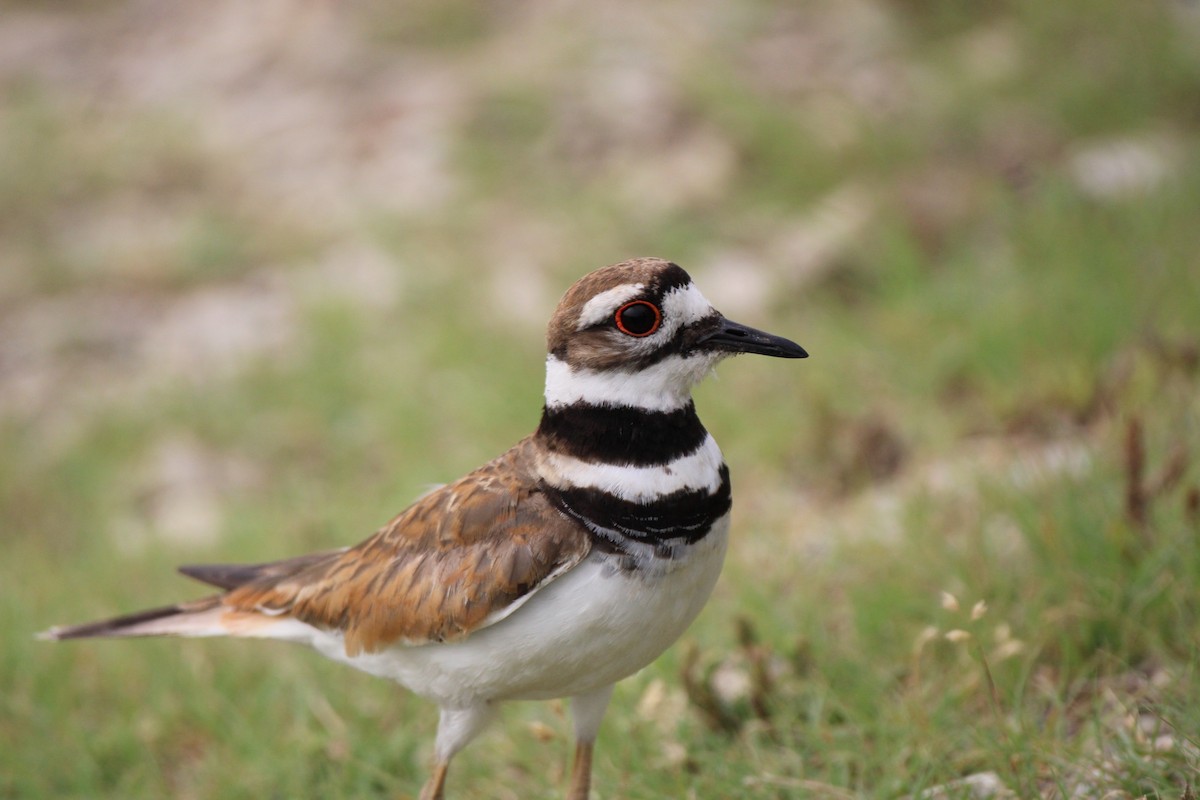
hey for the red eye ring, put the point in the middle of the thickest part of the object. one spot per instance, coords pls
(640, 325)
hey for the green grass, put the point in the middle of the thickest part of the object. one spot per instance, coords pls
(992, 317)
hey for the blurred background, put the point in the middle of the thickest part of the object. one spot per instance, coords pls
(268, 270)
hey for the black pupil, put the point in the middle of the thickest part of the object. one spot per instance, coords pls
(638, 318)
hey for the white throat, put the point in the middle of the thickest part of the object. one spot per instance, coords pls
(664, 386)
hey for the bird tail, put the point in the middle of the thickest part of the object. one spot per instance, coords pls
(206, 617)
(209, 616)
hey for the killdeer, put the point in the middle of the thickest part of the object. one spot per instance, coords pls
(568, 563)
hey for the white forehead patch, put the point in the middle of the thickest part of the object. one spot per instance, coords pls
(683, 306)
(602, 306)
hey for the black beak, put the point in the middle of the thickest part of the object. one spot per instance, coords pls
(732, 337)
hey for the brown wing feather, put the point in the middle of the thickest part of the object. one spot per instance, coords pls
(439, 570)
(231, 576)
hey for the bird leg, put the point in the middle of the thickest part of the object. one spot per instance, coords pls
(588, 710)
(456, 727)
(435, 786)
(581, 772)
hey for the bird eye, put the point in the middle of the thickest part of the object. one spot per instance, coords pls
(638, 318)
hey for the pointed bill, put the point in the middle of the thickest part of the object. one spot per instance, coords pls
(733, 337)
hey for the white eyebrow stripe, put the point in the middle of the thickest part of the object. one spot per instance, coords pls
(600, 307)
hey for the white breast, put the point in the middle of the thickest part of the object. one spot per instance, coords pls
(589, 628)
(697, 470)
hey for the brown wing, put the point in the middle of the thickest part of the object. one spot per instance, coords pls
(231, 576)
(449, 564)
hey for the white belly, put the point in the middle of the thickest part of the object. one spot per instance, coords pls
(589, 628)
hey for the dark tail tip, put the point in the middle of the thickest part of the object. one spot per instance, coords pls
(117, 626)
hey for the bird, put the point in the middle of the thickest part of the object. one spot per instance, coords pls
(564, 565)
